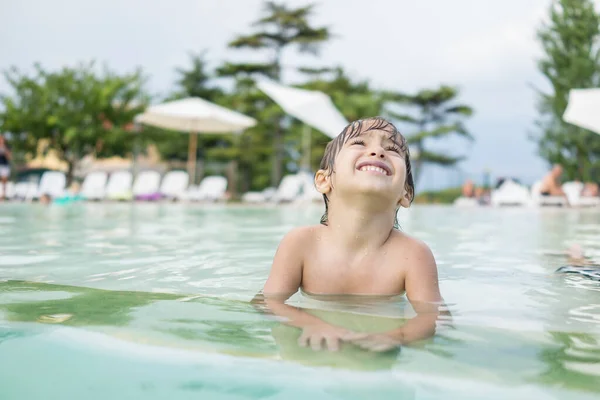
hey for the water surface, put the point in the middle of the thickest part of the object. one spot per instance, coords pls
(153, 300)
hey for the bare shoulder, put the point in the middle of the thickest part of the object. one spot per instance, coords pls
(414, 251)
(286, 270)
(418, 262)
(300, 236)
(296, 243)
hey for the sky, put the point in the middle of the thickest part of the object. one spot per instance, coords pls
(488, 49)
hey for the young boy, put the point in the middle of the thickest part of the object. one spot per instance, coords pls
(365, 177)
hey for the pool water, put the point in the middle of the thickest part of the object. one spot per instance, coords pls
(152, 301)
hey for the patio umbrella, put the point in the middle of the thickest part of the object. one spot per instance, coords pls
(583, 109)
(194, 115)
(314, 108)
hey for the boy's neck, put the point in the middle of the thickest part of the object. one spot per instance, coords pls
(360, 226)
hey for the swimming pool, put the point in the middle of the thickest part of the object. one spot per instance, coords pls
(103, 301)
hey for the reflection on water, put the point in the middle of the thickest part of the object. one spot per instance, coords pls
(181, 278)
(195, 323)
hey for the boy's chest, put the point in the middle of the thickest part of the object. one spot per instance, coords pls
(329, 273)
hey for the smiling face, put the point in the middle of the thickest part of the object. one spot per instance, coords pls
(369, 157)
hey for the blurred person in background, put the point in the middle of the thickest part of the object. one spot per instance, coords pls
(551, 185)
(5, 157)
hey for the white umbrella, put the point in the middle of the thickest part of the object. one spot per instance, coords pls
(312, 107)
(194, 115)
(584, 109)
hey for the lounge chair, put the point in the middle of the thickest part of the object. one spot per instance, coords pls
(466, 202)
(52, 183)
(189, 194)
(119, 186)
(309, 192)
(259, 197)
(10, 190)
(510, 193)
(289, 189)
(25, 190)
(212, 188)
(573, 192)
(174, 184)
(146, 186)
(94, 185)
(545, 201)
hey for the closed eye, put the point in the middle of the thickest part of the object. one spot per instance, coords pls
(358, 142)
(394, 149)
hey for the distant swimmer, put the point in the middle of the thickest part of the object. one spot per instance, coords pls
(579, 264)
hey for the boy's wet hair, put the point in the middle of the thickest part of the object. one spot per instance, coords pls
(356, 129)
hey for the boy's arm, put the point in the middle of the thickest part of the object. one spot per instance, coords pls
(285, 277)
(421, 282)
(422, 290)
(285, 280)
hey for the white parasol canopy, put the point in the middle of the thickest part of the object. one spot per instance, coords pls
(584, 109)
(312, 107)
(194, 115)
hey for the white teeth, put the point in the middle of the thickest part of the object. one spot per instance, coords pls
(373, 168)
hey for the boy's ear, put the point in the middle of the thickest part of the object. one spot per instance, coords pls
(405, 200)
(322, 182)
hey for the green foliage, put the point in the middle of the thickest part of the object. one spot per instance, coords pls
(279, 28)
(72, 106)
(571, 43)
(196, 81)
(80, 110)
(446, 196)
(437, 117)
(355, 100)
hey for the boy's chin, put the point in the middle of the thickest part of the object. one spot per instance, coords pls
(376, 191)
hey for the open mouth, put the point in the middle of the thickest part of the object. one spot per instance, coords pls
(376, 167)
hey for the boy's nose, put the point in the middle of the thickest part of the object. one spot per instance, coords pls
(377, 153)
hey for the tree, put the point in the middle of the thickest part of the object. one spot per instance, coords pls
(438, 116)
(79, 110)
(354, 99)
(571, 44)
(197, 80)
(278, 29)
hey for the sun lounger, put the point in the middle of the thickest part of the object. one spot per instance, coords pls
(259, 197)
(174, 184)
(289, 189)
(52, 183)
(573, 192)
(94, 185)
(10, 190)
(119, 186)
(25, 190)
(189, 193)
(549, 201)
(511, 193)
(309, 192)
(146, 186)
(292, 188)
(211, 188)
(466, 202)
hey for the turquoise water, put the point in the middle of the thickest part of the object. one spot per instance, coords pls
(152, 301)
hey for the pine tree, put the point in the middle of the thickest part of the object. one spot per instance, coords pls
(571, 43)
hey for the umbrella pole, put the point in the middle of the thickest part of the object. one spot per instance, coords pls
(136, 149)
(192, 149)
(306, 145)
